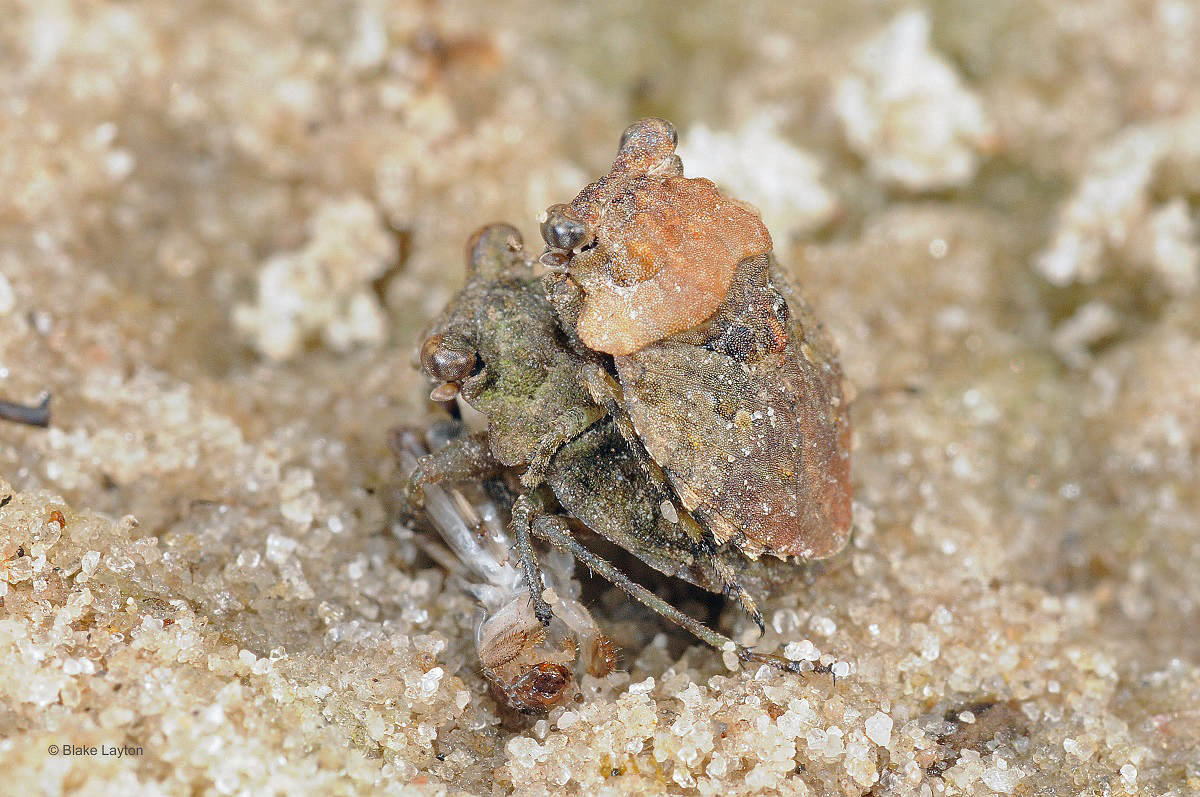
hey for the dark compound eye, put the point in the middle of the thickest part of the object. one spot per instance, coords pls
(562, 229)
(447, 358)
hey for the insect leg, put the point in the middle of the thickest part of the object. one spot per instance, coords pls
(527, 509)
(732, 587)
(554, 530)
(565, 293)
(565, 428)
(462, 459)
(606, 392)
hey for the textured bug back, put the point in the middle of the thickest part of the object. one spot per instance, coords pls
(754, 434)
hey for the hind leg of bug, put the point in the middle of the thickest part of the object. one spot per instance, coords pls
(554, 530)
(606, 392)
(733, 587)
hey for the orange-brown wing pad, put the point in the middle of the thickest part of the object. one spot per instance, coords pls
(666, 247)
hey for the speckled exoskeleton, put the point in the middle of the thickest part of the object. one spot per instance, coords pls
(558, 417)
(664, 386)
(727, 379)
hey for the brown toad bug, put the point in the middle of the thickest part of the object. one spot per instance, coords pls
(665, 388)
(739, 398)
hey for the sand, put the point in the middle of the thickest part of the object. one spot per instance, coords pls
(222, 228)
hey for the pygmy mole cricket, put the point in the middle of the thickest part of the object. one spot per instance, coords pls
(664, 386)
(530, 668)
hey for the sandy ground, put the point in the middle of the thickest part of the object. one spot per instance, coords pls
(222, 227)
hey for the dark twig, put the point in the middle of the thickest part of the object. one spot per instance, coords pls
(38, 415)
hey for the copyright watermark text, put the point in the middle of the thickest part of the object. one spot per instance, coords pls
(103, 750)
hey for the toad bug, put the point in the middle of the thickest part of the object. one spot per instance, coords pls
(743, 407)
(698, 434)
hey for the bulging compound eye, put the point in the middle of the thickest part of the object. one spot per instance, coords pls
(448, 358)
(649, 134)
(562, 229)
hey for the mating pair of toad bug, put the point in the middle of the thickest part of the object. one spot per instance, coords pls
(662, 385)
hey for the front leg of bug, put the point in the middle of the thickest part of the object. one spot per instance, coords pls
(565, 428)
(467, 458)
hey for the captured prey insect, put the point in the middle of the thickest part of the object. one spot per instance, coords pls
(529, 667)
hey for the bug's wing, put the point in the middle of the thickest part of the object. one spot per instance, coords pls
(598, 481)
(759, 452)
